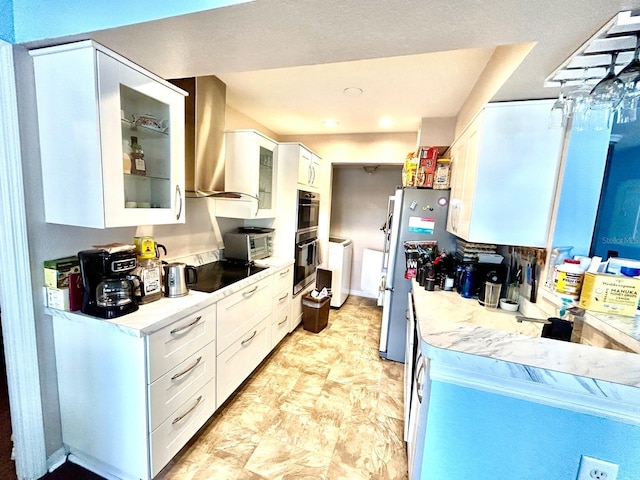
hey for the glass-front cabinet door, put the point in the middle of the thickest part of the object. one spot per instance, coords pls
(250, 171)
(111, 139)
(144, 173)
(265, 179)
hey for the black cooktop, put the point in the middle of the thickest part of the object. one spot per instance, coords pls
(216, 275)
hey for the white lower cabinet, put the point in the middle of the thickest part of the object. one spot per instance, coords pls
(174, 389)
(281, 322)
(243, 335)
(126, 401)
(129, 401)
(173, 344)
(241, 311)
(237, 362)
(175, 431)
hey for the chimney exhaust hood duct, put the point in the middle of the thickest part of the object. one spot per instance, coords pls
(205, 112)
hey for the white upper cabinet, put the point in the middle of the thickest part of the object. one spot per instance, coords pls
(111, 139)
(309, 174)
(250, 168)
(505, 170)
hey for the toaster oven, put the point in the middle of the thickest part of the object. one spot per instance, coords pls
(248, 246)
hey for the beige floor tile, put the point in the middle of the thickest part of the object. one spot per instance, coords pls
(276, 460)
(322, 406)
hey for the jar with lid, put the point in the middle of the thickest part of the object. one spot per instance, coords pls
(568, 279)
(148, 270)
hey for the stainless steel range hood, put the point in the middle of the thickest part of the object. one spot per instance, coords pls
(205, 112)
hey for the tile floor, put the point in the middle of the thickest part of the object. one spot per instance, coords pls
(322, 406)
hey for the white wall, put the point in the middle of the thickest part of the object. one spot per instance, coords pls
(437, 132)
(360, 148)
(359, 208)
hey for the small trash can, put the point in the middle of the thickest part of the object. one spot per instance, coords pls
(315, 313)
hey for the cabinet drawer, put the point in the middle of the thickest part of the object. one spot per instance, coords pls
(282, 299)
(170, 391)
(175, 432)
(174, 343)
(280, 324)
(283, 280)
(236, 363)
(242, 310)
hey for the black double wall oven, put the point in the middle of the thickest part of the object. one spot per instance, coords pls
(307, 253)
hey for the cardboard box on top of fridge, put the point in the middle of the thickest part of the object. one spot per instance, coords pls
(614, 294)
(428, 159)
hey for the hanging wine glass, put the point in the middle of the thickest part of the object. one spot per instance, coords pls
(578, 103)
(605, 97)
(630, 78)
(557, 118)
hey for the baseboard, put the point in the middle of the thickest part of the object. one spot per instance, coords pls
(362, 293)
(55, 460)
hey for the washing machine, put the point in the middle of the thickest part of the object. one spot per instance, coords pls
(340, 256)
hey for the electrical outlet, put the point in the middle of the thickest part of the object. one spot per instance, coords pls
(595, 469)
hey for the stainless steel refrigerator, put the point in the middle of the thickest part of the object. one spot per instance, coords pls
(413, 215)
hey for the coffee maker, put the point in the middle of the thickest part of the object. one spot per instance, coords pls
(108, 288)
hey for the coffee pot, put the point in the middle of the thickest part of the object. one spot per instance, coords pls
(178, 277)
(108, 285)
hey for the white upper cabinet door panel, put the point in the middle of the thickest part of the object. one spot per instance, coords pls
(92, 106)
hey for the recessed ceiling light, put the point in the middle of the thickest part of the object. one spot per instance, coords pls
(330, 123)
(385, 122)
(352, 91)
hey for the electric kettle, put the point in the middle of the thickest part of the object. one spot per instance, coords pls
(178, 277)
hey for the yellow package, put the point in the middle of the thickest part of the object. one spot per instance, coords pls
(614, 294)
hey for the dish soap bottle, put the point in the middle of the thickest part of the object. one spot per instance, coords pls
(138, 165)
(149, 271)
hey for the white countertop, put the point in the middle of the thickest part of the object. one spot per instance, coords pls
(451, 322)
(154, 316)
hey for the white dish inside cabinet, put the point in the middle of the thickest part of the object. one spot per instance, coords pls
(111, 139)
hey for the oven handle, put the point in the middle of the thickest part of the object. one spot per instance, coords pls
(307, 242)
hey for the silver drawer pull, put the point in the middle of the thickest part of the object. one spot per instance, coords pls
(244, 342)
(184, 372)
(250, 292)
(286, 295)
(284, 321)
(282, 274)
(185, 327)
(177, 419)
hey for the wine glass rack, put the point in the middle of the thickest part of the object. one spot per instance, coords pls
(617, 36)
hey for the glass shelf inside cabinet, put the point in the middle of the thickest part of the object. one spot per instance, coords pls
(146, 154)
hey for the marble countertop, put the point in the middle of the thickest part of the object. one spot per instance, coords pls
(449, 322)
(624, 330)
(156, 315)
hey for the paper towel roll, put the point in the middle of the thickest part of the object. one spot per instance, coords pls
(371, 274)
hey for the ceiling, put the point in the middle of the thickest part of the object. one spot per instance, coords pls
(286, 63)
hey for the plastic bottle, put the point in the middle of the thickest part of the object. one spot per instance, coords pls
(468, 283)
(557, 257)
(568, 279)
